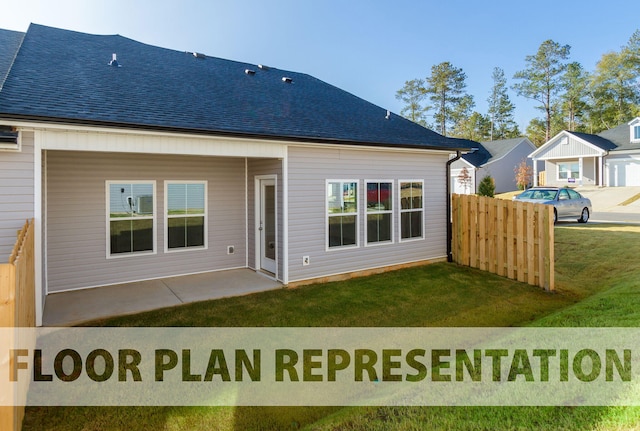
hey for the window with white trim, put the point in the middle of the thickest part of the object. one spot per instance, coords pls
(342, 213)
(411, 210)
(636, 133)
(186, 215)
(568, 170)
(379, 226)
(131, 217)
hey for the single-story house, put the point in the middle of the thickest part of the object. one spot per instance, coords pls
(497, 159)
(610, 158)
(139, 162)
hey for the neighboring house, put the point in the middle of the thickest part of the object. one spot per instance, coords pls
(139, 162)
(610, 158)
(497, 159)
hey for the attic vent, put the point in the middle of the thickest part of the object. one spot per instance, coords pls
(114, 60)
(9, 139)
(386, 117)
(287, 79)
(263, 67)
(250, 72)
(199, 55)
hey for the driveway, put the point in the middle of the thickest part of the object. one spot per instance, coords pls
(608, 202)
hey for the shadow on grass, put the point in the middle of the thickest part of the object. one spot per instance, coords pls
(597, 270)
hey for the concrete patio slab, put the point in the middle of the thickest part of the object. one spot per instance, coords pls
(74, 307)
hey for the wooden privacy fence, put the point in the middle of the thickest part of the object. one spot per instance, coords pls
(508, 238)
(17, 309)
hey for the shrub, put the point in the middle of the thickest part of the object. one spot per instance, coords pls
(487, 187)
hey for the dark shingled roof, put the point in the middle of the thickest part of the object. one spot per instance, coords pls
(620, 136)
(597, 140)
(491, 150)
(9, 44)
(61, 75)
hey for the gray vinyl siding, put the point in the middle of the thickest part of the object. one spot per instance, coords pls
(503, 170)
(257, 167)
(573, 148)
(16, 192)
(76, 240)
(310, 168)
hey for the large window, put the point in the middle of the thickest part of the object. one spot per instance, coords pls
(379, 227)
(567, 170)
(411, 209)
(131, 217)
(636, 133)
(342, 213)
(186, 214)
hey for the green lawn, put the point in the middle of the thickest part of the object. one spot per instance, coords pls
(598, 284)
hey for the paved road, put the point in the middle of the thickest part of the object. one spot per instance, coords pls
(609, 217)
(606, 202)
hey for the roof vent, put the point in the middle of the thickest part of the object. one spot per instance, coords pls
(263, 67)
(250, 72)
(386, 117)
(199, 55)
(287, 79)
(114, 61)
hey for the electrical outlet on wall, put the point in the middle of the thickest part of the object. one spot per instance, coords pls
(305, 260)
(231, 249)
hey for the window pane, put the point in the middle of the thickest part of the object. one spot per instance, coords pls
(342, 197)
(131, 235)
(411, 224)
(379, 197)
(142, 232)
(185, 232)
(379, 227)
(130, 200)
(121, 236)
(195, 199)
(410, 195)
(177, 232)
(195, 231)
(636, 132)
(416, 224)
(342, 231)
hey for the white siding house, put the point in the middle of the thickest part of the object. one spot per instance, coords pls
(610, 158)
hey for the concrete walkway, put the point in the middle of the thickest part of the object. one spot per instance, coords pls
(71, 308)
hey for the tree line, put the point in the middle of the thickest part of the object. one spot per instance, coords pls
(568, 96)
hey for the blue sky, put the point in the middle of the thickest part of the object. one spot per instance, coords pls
(369, 48)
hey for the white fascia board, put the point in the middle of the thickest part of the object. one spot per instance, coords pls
(102, 139)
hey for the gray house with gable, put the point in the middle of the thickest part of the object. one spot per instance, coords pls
(139, 162)
(610, 158)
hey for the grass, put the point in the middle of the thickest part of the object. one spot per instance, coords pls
(597, 278)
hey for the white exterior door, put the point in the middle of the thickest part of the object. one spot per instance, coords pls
(267, 226)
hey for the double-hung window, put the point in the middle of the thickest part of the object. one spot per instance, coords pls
(411, 210)
(567, 170)
(342, 213)
(379, 226)
(131, 217)
(636, 133)
(186, 215)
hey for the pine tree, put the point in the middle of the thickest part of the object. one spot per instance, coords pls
(446, 89)
(541, 80)
(413, 94)
(487, 187)
(501, 109)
